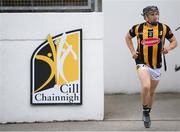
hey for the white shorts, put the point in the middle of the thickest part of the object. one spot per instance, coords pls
(155, 73)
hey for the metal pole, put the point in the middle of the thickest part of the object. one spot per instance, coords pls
(98, 5)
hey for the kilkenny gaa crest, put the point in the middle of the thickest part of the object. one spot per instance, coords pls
(56, 70)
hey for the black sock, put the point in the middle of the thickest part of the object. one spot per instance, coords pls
(146, 109)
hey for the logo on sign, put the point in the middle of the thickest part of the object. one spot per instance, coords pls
(56, 70)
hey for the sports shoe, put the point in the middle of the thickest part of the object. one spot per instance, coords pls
(146, 119)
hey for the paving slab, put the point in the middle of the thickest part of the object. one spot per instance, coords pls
(122, 113)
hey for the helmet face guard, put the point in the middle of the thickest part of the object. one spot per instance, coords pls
(149, 9)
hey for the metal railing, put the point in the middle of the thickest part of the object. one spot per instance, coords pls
(49, 5)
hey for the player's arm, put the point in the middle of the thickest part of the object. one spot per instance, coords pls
(130, 46)
(172, 41)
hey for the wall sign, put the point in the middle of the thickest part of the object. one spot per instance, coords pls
(56, 70)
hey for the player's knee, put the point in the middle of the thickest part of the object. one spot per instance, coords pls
(146, 88)
(151, 94)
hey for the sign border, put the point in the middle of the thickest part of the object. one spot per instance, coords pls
(81, 72)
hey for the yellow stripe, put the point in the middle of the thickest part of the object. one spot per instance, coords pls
(155, 47)
(145, 47)
(164, 33)
(136, 32)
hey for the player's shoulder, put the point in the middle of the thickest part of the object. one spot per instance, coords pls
(163, 24)
(139, 25)
(136, 25)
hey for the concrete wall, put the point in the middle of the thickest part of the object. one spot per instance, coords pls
(20, 35)
(119, 68)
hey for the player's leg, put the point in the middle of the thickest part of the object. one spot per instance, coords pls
(145, 79)
(154, 84)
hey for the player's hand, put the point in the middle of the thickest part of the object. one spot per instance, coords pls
(135, 55)
(165, 50)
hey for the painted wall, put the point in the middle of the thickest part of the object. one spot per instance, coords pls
(20, 35)
(119, 68)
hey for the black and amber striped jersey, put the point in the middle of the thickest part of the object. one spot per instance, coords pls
(150, 43)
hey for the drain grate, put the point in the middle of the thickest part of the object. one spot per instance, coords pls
(46, 5)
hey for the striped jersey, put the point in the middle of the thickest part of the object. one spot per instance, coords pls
(150, 43)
